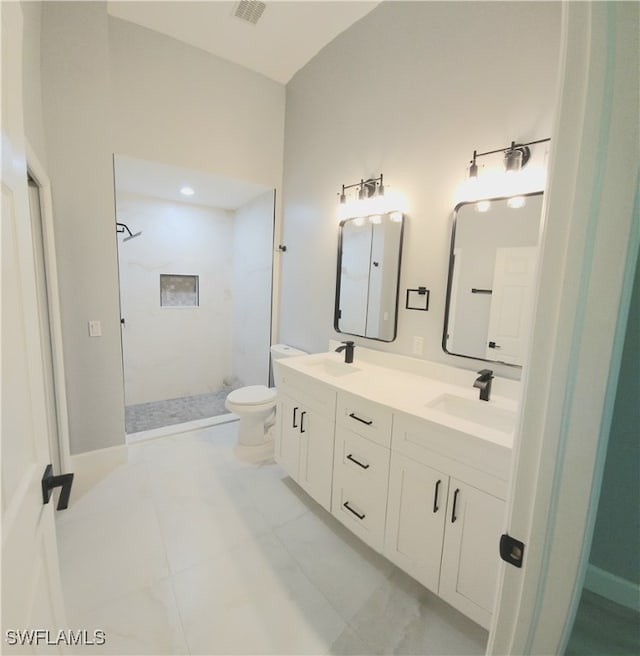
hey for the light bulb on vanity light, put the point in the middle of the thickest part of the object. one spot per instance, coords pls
(187, 191)
(483, 206)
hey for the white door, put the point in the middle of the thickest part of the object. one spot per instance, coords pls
(470, 559)
(287, 443)
(415, 519)
(31, 592)
(511, 303)
(316, 456)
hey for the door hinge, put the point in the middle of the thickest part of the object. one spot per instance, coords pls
(511, 550)
(49, 481)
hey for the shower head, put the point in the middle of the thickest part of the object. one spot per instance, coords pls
(123, 227)
(137, 234)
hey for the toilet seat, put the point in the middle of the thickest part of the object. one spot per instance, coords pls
(252, 395)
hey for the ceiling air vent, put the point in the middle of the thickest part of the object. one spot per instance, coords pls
(249, 10)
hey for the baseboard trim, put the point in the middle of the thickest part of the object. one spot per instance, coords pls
(91, 467)
(608, 585)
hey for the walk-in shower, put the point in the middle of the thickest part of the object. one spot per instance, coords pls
(195, 293)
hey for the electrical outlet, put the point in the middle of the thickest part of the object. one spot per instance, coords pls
(418, 345)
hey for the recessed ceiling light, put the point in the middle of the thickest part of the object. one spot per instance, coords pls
(187, 191)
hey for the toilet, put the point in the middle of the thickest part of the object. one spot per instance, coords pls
(256, 404)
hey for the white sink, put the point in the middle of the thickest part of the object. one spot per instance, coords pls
(475, 411)
(331, 367)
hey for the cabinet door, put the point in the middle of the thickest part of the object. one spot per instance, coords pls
(287, 444)
(415, 519)
(316, 437)
(470, 557)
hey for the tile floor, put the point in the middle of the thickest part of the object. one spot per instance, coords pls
(189, 549)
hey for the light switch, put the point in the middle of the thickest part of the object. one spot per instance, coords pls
(95, 329)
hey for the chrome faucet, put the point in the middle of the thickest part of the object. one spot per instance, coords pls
(347, 347)
(483, 383)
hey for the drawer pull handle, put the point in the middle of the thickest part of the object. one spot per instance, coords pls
(302, 414)
(435, 496)
(294, 425)
(350, 457)
(351, 510)
(363, 421)
(455, 502)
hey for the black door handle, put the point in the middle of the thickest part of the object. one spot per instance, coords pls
(363, 421)
(294, 418)
(350, 457)
(302, 414)
(455, 501)
(351, 510)
(49, 481)
(435, 496)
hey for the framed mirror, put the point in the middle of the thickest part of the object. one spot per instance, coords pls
(368, 276)
(492, 266)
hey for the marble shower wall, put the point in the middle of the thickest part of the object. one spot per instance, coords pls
(171, 352)
(252, 284)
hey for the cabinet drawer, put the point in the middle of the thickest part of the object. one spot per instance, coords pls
(306, 391)
(357, 458)
(479, 462)
(360, 509)
(365, 418)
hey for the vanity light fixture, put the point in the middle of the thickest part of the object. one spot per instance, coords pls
(368, 198)
(515, 158)
(187, 191)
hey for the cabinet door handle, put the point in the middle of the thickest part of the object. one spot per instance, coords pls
(350, 457)
(294, 425)
(455, 502)
(362, 421)
(351, 510)
(435, 496)
(302, 414)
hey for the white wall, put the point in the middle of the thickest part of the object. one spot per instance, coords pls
(109, 86)
(75, 98)
(410, 91)
(252, 270)
(171, 352)
(31, 82)
(177, 104)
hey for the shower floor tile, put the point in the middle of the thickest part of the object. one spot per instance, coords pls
(156, 414)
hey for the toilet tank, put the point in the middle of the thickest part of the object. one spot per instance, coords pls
(280, 351)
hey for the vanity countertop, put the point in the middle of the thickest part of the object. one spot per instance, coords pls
(432, 392)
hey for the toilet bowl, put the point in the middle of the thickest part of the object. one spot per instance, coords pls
(255, 405)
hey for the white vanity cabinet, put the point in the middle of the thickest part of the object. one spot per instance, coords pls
(444, 516)
(423, 488)
(304, 435)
